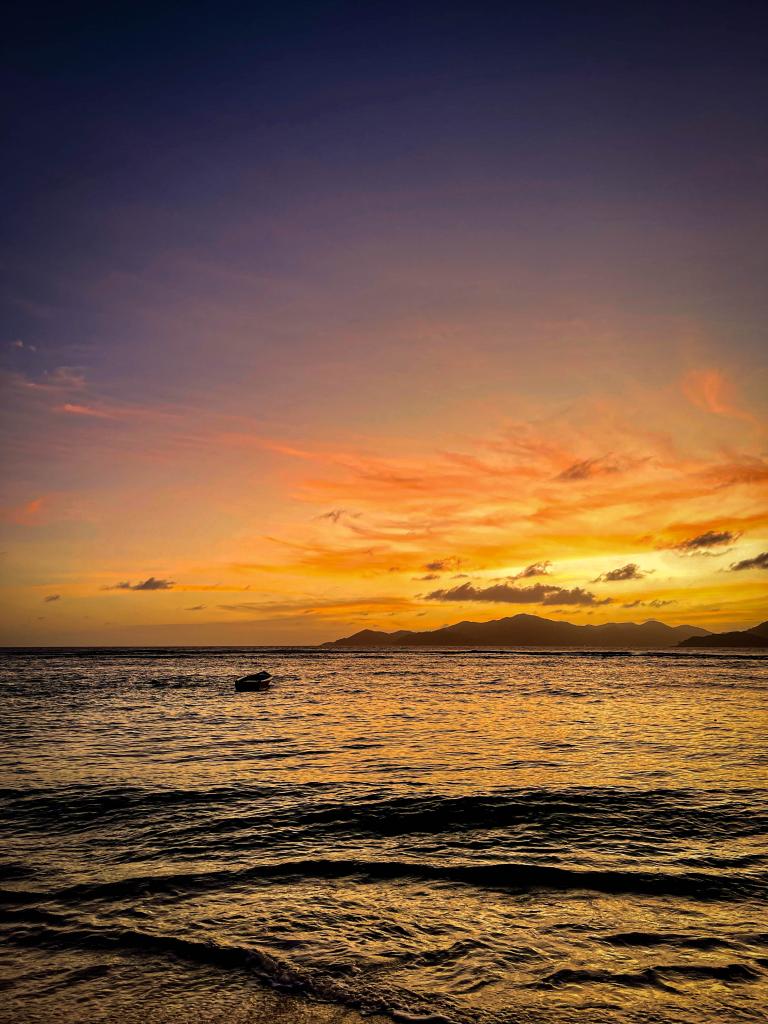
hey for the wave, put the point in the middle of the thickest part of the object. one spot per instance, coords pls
(513, 877)
(11, 871)
(100, 800)
(681, 814)
(346, 986)
(656, 977)
(567, 815)
(270, 970)
(649, 939)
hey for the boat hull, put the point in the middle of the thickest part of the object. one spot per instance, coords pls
(254, 683)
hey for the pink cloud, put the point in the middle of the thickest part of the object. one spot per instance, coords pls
(63, 378)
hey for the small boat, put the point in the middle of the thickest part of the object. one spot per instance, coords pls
(253, 683)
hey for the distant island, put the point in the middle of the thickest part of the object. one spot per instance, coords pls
(757, 636)
(534, 631)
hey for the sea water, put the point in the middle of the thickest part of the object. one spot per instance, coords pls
(463, 836)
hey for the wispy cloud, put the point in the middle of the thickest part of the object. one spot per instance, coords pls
(758, 562)
(150, 583)
(503, 593)
(530, 571)
(631, 571)
(703, 541)
(63, 378)
(655, 603)
(588, 468)
(74, 409)
(709, 389)
(443, 565)
(334, 515)
(27, 514)
(325, 607)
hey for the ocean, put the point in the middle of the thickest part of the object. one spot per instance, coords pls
(475, 837)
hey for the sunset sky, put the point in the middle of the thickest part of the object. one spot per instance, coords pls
(326, 317)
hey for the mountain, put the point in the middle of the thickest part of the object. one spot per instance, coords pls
(529, 631)
(757, 636)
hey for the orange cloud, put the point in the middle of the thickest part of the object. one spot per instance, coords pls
(529, 494)
(86, 410)
(589, 489)
(710, 390)
(28, 514)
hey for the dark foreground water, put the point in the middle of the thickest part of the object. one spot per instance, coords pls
(437, 836)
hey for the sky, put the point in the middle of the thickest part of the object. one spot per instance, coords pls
(322, 317)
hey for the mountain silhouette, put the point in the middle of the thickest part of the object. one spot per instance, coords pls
(757, 636)
(529, 631)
